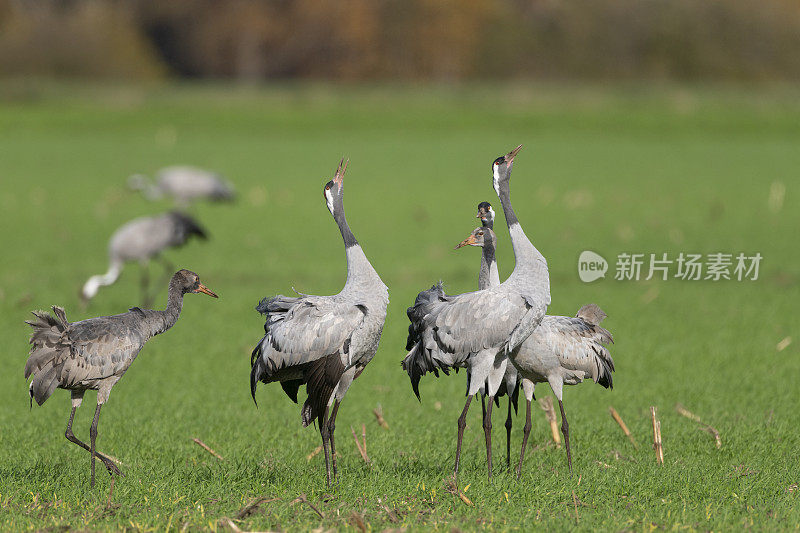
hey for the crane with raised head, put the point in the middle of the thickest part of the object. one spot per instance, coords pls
(323, 342)
(562, 350)
(479, 330)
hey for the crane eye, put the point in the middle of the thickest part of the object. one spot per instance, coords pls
(480, 233)
(327, 187)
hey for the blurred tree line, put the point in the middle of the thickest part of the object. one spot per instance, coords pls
(402, 39)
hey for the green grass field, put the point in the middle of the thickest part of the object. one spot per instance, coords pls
(627, 169)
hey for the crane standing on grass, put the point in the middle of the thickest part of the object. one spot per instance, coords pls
(478, 330)
(94, 354)
(488, 276)
(562, 350)
(141, 240)
(184, 185)
(323, 342)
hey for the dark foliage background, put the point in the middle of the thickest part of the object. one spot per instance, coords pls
(438, 40)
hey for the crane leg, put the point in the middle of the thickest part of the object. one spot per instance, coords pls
(112, 468)
(525, 432)
(93, 437)
(331, 429)
(325, 433)
(462, 423)
(565, 431)
(508, 435)
(487, 430)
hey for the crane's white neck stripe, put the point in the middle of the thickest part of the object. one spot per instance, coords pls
(329, 200)
(496, 172)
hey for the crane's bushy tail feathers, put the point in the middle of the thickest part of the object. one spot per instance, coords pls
(224, 191)
(291, 387)
(605, 366)
(257, 370)
(321, 377)
(418, 311)
(419, 360)
(593, 315)
(515, 395)
(49, 349)
(189, 225)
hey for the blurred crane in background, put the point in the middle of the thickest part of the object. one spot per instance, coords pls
(184, 184)
(141, 240)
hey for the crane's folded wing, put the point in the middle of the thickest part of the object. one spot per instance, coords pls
(578, 345)
(299, 330)
(473, 321)
(101, 348)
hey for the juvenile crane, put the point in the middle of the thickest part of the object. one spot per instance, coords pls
(323, 342)
(478, 330)
(141, 240)
(94, 354)
(184, 184)
(562, 350)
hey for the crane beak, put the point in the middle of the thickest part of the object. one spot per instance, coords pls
(338, 178)
(512, 154)
(468, 241)
(202, 288)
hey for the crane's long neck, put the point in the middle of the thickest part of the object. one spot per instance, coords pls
(488, 275)
(94, 283)
(157, 322)
(525, 253)
(530, 277)
(344, 228)
(359, 270)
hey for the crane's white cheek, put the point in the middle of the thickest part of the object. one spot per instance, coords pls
(491, 211)
(497, 179)
(329, 200)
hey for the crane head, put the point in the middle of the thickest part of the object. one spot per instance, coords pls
(486, 214)
(334, 189)
(188, 281)
(501, 168)
(480, 236)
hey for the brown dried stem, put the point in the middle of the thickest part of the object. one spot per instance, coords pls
(550, 412)
(378, 412)
(206, 448)
(657, 436)
(314, 453)
(361, 450)
(625, 429)
(705, 427)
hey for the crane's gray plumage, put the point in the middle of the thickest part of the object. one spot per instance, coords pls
(565, 350)
(184, 184)
(488, 276)
(324, 342)
(561, 350)
(141, 240)
(94, 354)
(478, 330)
(568, 350)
